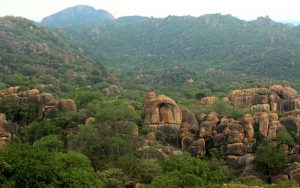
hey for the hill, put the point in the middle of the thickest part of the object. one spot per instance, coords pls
(80, 14)
(153, 46)
(32, 56)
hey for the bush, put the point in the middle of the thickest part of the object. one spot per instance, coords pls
(102, 145)
(285, 138)
(17, 110)
(118, 113)
(177, 179)
(83, 98)
(270, 160)
(39, 129)
(27, 166)
(146, 170)
(187, 171)
(69, 119)
(113, 178)
(168, 135)
(50, 142)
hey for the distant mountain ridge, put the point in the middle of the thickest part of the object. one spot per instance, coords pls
(151, 47)
(77, 15)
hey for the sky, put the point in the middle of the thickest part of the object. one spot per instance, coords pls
(279, 10)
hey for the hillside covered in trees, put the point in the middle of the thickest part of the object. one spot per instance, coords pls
(89, 100)
(153, 46)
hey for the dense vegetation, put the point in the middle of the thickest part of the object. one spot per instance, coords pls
(174, 49)
(186, 58)
(31, 56)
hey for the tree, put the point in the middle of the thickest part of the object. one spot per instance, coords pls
(50, 142)
(27, 166)
(285, 138)
(39, 129)
(102, 145)
(17, 110)
(187, 171)
(113, 178)
(269, 159)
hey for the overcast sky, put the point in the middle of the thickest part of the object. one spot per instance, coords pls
(280, 10)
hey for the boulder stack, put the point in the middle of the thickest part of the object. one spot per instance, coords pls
(280, 98)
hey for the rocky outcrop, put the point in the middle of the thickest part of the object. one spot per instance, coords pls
(281, 98)
(46, 103)
(67, 105)
(160, 110)
(5, 135)
(208, 100)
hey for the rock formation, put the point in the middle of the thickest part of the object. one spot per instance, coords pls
(281, 98)
(67, 105)
(235, 139)
(161, 110)
(46, 102)
(208, 100)
(5, 135)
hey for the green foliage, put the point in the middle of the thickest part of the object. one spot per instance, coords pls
(117, 113)
(39, 129)
(168, 135)
(17, 110)
(83, 98)
(146, 170)
(175, 179)
(186, 171)
(28, 166)
(32, 56)
(75, 170)
(113, 178)
(102, 145)
(269, 160)
(69, 119)
(285, 138)
(50, 142)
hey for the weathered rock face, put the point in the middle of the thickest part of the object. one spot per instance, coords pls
(281, 98)
(67, 105)
(5, 135)
(208, 100)
(46, 103)
(235, 139)
(161, 110)
(291, 124)
(268, 124)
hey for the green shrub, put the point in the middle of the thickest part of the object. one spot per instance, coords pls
(102, 145)
(27, 166)
(50, 142)
(146, 170)
(39, 129)
(187, 171)
(118, 113)
(17, 110)
(269, 159)
(113, 178)
(285, 138)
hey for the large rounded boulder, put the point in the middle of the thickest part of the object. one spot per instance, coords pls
(67, 105)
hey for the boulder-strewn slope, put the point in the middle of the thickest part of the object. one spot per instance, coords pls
(31, 55)
(235, 139)
(44, 105)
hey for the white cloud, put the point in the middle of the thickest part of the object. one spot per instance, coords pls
(276, 9)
